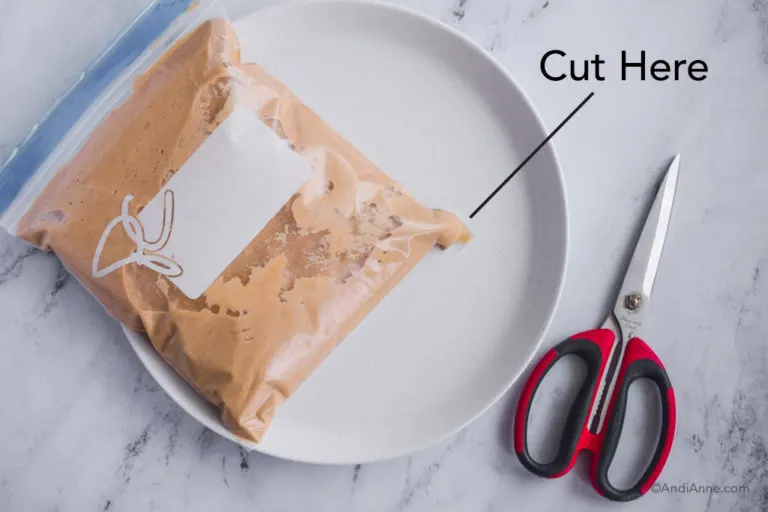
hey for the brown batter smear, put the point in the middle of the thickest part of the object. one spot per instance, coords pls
(331, 253)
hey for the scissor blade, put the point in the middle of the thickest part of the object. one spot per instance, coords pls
(644, 265)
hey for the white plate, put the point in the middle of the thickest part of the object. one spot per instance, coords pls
(435, 112)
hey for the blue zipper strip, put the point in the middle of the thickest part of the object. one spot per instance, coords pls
(39, 145)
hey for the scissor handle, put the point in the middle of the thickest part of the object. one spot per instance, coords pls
(639, 362)
(593, 347)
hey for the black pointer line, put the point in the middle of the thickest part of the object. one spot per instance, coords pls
(533, 153)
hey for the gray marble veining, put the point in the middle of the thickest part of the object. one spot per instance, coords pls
(84, 427)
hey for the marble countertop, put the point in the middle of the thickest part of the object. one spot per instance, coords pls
(84, 427)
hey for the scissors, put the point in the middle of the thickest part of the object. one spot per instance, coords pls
(615, 357)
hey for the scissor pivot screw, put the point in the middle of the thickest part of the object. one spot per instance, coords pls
(632, 301)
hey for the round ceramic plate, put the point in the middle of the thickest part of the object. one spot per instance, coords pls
(439, 115)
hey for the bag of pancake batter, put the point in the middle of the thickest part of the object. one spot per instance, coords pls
(207, 207)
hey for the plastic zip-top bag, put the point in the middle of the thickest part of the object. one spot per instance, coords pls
(207, 207)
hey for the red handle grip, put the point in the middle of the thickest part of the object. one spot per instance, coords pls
(639, 362)
(593, 347)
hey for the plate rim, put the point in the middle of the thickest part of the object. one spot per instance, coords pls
(150, 359)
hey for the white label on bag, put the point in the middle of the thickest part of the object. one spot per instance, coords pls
(214, 205)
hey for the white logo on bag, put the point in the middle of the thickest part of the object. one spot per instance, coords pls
(212, 207)
(147, 252)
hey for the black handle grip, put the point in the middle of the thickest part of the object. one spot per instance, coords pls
(639, 362)
(586, 346)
